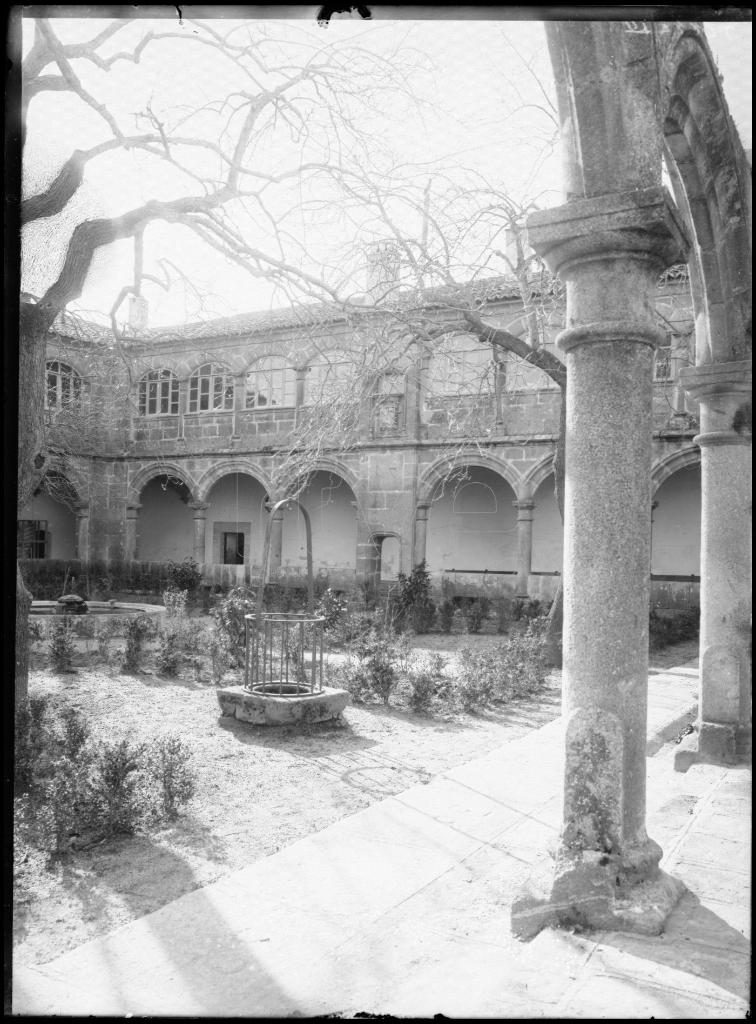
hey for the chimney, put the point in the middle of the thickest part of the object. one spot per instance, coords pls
(382, 269)
(138, 309)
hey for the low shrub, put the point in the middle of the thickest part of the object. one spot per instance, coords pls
(184, 576)
(116, 800)
(168, 763)
(664, 630)
(61, 646)
(503, 610)
(475, 611)
(36, 630)
(377, 671)
(31, 735)
(412, 606)
(136, 630)
(168, 655)
(514, 668)
(427, 682)
(333, 608)
(217, 645)
(528, 608)
(229, 618)
(446, 611)
(105, 631)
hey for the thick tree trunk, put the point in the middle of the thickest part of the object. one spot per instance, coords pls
(31, 458)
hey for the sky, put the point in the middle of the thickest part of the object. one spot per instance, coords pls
(481, 99)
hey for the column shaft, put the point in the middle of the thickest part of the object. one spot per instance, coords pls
(421, 534)
(524, 545)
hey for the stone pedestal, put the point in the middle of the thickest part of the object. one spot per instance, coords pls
(421, 534)
(524, 545)
(199, 510)
(130, 542)
(723, 733)
(610, 251)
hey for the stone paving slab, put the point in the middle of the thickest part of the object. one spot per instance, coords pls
(403, 908)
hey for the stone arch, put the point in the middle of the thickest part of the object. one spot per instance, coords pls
(710, 179)
(443, 469)
(143, 476)
(669, 464)
(334, 466)
(227, 468)
(535, 477)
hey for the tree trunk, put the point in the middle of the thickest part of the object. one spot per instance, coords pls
(31, 458)
(553, 644)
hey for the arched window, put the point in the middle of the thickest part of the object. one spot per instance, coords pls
(158, 393)
(327, 375)
(63, 386)
(270, 382)
(461, 365)
(211, 388)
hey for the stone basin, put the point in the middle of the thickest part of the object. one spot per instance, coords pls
(281, 709)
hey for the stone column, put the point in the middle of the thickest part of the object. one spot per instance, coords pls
(82, 533)
(199, 509)
(524, 544)
(724, 725)
(610, 250)
(130, 543)
(421, 533)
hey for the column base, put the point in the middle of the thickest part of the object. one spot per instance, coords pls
(596, 892)
(714, 743)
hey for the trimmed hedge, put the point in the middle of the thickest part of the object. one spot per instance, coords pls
(47, 577)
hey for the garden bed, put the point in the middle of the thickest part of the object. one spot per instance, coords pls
(258, 789)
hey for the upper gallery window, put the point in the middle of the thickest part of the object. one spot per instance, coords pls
(461, 365)
(158, 393)
(64, 386)
(327, 377)
(270, 382)
(211, 389)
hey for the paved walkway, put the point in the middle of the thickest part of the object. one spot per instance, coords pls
(403, 908)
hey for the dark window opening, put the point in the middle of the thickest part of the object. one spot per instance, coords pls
(31, 541)
(233, 549)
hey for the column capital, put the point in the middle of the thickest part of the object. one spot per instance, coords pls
(702, 382)
(642, 225)
(421, 510)
(81, 509)
(199, 508)
(132, 510)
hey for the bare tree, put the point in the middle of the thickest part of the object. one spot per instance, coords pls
(292, 97)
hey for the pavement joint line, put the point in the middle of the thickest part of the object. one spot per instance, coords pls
(669, 858)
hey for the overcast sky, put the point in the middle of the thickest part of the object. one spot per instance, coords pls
(470, 114)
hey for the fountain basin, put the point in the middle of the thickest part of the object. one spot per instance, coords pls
(272, 708)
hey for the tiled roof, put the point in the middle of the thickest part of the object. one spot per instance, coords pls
(303, 315)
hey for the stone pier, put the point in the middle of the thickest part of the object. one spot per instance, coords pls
(723, 732)
(610, 250)
(524, 544)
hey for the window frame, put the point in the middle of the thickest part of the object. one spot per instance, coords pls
(64, 373)
(280, 384)
(211, 381)
(170, 394)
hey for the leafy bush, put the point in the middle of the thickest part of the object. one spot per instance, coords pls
(376, 672)
(168, 656)
(31, 737)
(475, 611)
(412, 604)
(106, 630)
(671, 629)
(36, 632)
(333, 608)
(511, 669)
(61, 647)
(116, 800)
(528, 608)
(502, 607)
(446, 612)
(229, 620)
(427, 682)
(218, 647)
(168, 760)
(184, 575)
(136, 628)
(76, 733)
